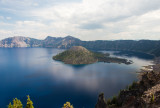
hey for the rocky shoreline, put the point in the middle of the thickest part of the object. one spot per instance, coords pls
(144, 93)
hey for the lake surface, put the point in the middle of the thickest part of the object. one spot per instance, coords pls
(31, 71)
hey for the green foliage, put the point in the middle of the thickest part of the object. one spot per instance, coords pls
(76, 57)
(113, 102)
(132, 86)
(100, 55)
(106, 58)
(29, 103)
(10, 105)
(87, 57)
(152, 98)
(67, 105)
(18, 104)
(109, 102)
(119, 92)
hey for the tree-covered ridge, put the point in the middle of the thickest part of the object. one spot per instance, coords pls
(145, 46)
(18, 104)
(80, 55)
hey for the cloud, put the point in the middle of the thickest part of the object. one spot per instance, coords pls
(1, 17)
(8, 18)
(85, 19)
(91, 26)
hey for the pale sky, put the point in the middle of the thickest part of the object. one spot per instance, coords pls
(84, 19)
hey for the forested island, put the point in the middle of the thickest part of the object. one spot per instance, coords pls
(79, 55)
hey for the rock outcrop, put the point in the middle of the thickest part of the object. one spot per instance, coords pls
(15, 42)
(142, 94)
(20, 41)
(101, 101)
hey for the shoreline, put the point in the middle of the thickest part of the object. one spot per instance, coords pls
(144, 93)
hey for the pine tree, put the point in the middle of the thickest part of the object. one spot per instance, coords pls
(10, 105)
(29, 103)
(67, 105)
(17, 103)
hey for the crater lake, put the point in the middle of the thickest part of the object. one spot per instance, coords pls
(50, 83)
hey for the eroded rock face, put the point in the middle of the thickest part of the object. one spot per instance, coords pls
(142, 94)
(59, 42)
(20, 41)
(15, 42)
(101, 102)
(54, 42)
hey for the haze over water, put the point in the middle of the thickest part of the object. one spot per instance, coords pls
(31, 71)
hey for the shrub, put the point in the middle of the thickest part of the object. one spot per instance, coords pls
(67, 105)
(18, 104)
(152, 98)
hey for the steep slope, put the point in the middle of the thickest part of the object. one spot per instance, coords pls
(59, 42)
(142, 94)
(20, 41)
(54, 42)
(14, 42)
(145, 46)
(76, 55)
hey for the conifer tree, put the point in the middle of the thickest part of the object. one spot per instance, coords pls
(67, 105)
(10, 105)
(29, 103)
(17, 103)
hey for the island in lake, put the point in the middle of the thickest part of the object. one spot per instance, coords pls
(79, 55)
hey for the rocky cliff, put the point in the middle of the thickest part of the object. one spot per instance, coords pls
(15, 42)
(59, 42)
(145, 46)
(20, 41)
(54, 42)
(142, 94)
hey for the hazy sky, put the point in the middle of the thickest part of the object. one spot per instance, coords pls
(84, 19)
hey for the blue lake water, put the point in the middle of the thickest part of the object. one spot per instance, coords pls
(31, 71)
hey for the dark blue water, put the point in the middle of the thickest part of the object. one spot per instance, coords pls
(31, 71)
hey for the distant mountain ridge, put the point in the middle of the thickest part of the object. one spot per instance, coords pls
(55, 42)
(145, 46)
(20, 41)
